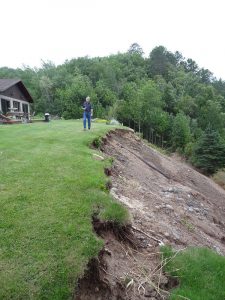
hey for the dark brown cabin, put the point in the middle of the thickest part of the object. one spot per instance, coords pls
(15, 99)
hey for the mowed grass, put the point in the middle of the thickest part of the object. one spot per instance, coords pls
(49, 188)
(200, 271)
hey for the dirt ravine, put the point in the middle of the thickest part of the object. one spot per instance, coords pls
(169, 203)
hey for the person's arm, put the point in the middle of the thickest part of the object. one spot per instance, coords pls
(83, 106)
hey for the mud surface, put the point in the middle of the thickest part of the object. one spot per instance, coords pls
(169, 202)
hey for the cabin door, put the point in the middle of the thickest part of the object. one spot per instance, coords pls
(25, 108)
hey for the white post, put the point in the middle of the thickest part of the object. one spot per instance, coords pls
(29, 111)
(11, 103)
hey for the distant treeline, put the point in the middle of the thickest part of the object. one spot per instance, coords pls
(168, 99)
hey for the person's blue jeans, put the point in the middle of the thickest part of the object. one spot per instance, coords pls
(87, 117)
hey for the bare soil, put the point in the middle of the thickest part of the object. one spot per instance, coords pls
(169, 202)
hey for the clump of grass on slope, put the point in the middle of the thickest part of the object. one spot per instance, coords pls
(50, 186)
(219, 178)
(201, 273)
(115, 213)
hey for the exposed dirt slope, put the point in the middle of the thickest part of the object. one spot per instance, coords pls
(169, 203)
(182, 206)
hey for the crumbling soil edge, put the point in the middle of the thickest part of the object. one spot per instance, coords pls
(99, 283)
(94, 285)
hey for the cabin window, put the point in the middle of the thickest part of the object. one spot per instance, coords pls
(5, 106)
(16, 104)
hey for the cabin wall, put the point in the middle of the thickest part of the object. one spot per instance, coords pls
(23, 106)
(14, 92)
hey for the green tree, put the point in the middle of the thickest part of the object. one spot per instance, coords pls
(104, 94)
(209, 152)
(125, 108)
(170, 99)
(149, 107)
(188, 106)
(158, 62)
(181, 134)
(70, 98)
(211, 113)
(205, 75)
(135, 48)
(190, 66)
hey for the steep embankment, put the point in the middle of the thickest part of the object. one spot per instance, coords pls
(169, 202)
(180, 205)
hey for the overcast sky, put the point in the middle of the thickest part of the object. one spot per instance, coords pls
(35, 30)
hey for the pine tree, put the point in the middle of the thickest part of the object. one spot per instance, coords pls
(209, 152)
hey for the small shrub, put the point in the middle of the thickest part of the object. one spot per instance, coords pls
(97, 142)
(190, 227)
(111, 160)
(188, 150)
(219, 178)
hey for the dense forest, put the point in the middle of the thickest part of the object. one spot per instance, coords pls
(165, 97)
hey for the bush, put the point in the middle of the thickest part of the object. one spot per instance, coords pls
(219, 178)
(97, 142)
(188, 150)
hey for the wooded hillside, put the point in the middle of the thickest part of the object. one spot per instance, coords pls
(166, 97)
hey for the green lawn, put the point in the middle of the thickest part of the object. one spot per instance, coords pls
(201, 273)
(49, 187)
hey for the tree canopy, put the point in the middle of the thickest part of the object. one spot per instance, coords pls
(169, 99)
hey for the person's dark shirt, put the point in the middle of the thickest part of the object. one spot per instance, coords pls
(87, 106)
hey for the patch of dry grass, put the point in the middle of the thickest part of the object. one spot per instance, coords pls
(219, 178)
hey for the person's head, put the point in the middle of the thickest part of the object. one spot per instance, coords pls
(88, 99)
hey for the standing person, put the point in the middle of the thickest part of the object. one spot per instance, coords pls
(88, 112)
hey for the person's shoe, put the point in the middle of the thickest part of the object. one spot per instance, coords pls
(85, 129)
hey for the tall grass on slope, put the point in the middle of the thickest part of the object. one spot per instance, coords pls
(219, 178)
(49, 188)
(201, 273)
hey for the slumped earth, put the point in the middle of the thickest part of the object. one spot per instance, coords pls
(169, 202)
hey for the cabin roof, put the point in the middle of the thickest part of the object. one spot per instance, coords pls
(5, 84)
